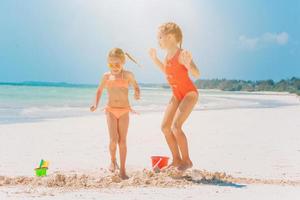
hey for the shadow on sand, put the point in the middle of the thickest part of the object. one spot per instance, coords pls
(214, 181)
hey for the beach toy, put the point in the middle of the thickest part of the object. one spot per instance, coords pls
(159, 162)
(45, 164)
(42, 169)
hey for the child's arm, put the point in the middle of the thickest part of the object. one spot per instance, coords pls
(185, 58)
(194, 70)
(155, 59)
(135, 86)
(98, 93)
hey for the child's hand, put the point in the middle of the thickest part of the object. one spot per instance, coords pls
(186, 58)
(93, 108)
(152, 53)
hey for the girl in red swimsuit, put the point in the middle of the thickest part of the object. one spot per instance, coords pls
(116, 82)
(177, 66)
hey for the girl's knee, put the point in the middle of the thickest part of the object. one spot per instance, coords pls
(114, 141)
(122, 142)
(176, 128)
(166, 128)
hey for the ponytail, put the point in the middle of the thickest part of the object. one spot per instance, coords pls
(132, 59)
(117, 52)
(180, 40)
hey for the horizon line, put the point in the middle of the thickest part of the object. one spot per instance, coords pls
(51, 83)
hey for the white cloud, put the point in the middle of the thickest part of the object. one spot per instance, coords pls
(263, 40)
(250, 43)
(279, 38)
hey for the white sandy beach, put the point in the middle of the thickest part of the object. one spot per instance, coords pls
(257, 148)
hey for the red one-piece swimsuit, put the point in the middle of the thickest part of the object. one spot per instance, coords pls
(178, 77)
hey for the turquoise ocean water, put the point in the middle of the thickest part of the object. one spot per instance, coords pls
(35, 102)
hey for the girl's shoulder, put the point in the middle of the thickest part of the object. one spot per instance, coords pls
(128, 74)
(176, 56)
(106, 75)
(184, 54)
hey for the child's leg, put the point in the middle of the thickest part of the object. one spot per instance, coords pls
(184, 110)
(122, 129)
(166, 129)
(112, 124)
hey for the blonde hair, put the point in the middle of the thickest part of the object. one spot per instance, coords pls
(172, 28)
(119, 53)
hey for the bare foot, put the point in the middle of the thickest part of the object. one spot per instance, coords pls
(184, 165)
(124, 176)
(175, 163)
(113, 166)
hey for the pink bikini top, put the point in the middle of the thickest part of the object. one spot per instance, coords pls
(112, 82)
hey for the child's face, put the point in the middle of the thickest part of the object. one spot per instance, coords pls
(166, 41)
(115, 64)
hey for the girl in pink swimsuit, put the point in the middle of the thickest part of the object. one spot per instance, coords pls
(116, 82)
(176, 67)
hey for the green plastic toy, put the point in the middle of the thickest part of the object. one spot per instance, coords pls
(42, 169)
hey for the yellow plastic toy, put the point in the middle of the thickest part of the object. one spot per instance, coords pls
(45, 164)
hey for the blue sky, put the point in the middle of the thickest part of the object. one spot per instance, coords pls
(68, 40)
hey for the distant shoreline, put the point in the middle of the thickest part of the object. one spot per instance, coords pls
(291, 85)
(47, 84)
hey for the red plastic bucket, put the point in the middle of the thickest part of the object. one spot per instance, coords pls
(159, 161)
